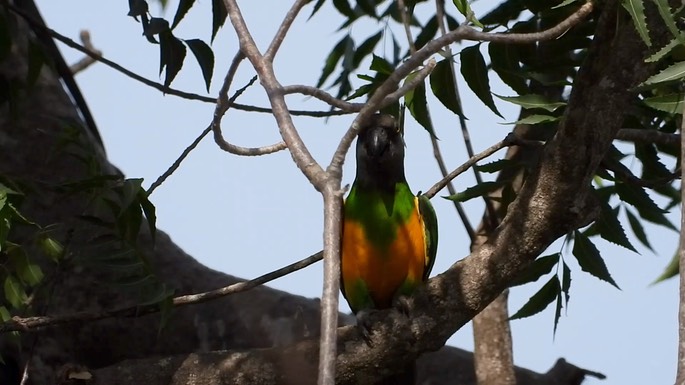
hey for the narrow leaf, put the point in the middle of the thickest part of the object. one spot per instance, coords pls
(672, 73)
(537, 269)
(505, 61)
(442, 85)
(564, 3)
(557, 313)
(669, 19)
(317, 6)
(476, 75)
(149, 211)
(609, 227)
(638, 230)
(638, 198)
(4, 314)
(540, 300)
(343, 6)
(219, 14)
(476, 191)
(183, 8)
(665, 50)
(671, 103)
(589, 258)
(535, 119)
(495, 166)
(566, 282)
(415, 101)
(636, 9)
(333, 58)
(671, 269)
(366, 48)
(14, 291)
(205, 58)
(531, 101)
(172, 54)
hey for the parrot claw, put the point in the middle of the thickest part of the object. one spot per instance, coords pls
(402, 305)
(364, 325)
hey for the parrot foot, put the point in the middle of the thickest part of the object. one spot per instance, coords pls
(402, 304)
(364, 325)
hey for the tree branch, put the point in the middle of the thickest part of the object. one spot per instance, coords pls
(88, 60)
(32, 324)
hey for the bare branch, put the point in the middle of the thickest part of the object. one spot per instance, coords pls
(283, 30)
(191, 147)
(323, 96)
(680, 376)
(223, 105)
(648, 136)
(510, 140)
(30, 324)
(88, 60)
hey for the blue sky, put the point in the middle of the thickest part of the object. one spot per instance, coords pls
(247, 216)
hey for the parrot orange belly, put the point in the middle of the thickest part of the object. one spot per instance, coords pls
(385, 271)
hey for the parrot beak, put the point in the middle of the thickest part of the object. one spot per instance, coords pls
(377, 141)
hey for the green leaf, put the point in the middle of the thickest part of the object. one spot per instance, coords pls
(442, 85)
(219, 14)
(540, 300)
(415, 101)
(671, 103)
(381, 65)
(343, 6)
(4, 314)
(14, 291)
(672, 73)
(537, 269)
(531, 101)
(52, 248)
(636, 9)
(476, 191)
(465, 9)
(428, 32)
(589, 258)
(557, 313)
(566, 282)
(317, 6)
(495, 166)
(638, 230)
(535, 119)
(564, 3)
(137, 8)
(669, 19)
(172, 53)
(475, 74)
(505, 61)
(609, 227)
(333, 58)
(671, 269)
(665, 50)
(149, 211)
(205, 58)
(183, 8)
(29, 273)
(366, 48)
(638, 198)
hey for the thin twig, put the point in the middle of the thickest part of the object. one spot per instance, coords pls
(88, 60)
(193, 145)
(159, 86)
(510, 140)
(489, 208)
(28, 324)
(680, 373)
(222, 105)
(648, 136)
